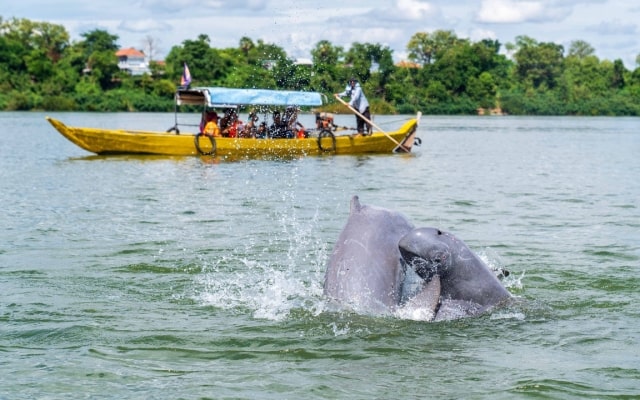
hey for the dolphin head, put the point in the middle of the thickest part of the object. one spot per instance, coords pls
(428, 250)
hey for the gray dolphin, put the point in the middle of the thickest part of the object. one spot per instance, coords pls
(467, 285)
(367, 269)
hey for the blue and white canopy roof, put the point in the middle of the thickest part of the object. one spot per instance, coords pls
(226, 97)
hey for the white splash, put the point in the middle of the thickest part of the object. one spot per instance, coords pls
(414, 313)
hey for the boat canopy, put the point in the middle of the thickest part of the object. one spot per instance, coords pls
(226, 97)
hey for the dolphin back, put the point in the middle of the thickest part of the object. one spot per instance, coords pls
(364, 270)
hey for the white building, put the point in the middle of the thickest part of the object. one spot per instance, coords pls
(133, 61)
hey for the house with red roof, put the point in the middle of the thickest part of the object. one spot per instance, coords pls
(132, 61)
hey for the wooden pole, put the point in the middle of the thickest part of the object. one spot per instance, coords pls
(371, 123)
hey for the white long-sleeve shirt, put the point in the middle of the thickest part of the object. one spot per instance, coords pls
(358, 99)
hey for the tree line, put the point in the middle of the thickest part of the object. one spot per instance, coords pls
(42, 69)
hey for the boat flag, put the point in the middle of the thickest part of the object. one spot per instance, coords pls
(185, 79)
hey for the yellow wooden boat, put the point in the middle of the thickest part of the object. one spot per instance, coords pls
(176, 142)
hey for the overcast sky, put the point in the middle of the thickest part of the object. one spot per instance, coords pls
(611, 27)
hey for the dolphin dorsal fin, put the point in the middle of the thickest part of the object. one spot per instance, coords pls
(355, 204)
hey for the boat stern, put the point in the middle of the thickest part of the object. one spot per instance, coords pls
(410, 138)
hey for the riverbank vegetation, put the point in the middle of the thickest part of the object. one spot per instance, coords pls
(42, 69)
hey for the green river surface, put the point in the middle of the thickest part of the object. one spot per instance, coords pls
(144, 277)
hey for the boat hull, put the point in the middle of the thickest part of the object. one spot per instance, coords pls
(118, 141)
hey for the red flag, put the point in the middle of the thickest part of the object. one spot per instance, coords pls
(185, 79)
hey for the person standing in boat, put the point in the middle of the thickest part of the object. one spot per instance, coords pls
(358, 101)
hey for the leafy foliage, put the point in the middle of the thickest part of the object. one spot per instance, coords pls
(40, 68)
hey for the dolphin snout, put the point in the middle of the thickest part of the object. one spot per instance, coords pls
(419, 264)
(424, 250)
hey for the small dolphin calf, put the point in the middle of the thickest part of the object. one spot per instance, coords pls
(368, 268)
(467, 286)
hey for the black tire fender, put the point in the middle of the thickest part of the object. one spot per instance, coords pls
(196, 141)
(327, 134)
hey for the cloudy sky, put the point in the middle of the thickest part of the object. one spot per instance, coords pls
(611, 27)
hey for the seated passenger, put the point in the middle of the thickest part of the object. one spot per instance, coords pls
(250, 129)
(301, 133)
(294, 127)
(211, 124)
(278, 129)
(324, 121)
(224, 121)
(229, 124)
(262, 130)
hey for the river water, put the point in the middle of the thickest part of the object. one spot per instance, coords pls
(171, 277)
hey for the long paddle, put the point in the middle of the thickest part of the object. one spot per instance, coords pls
(371, 123)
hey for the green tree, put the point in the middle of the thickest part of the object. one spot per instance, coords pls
(617, 80)
(580, 49)
(268, 54)
(383, 57)
(98, 51)
(207, 65)
(538, 64)
(12, 65)
(362, 57)
(425, 47)
(39, 66)
(291, 76)
(32, 46)
(98, 40)
(103, 66)
(483, 89)
(246, 45)
(325, 57)
(470, 69)
(582, 79)
(41, 69)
